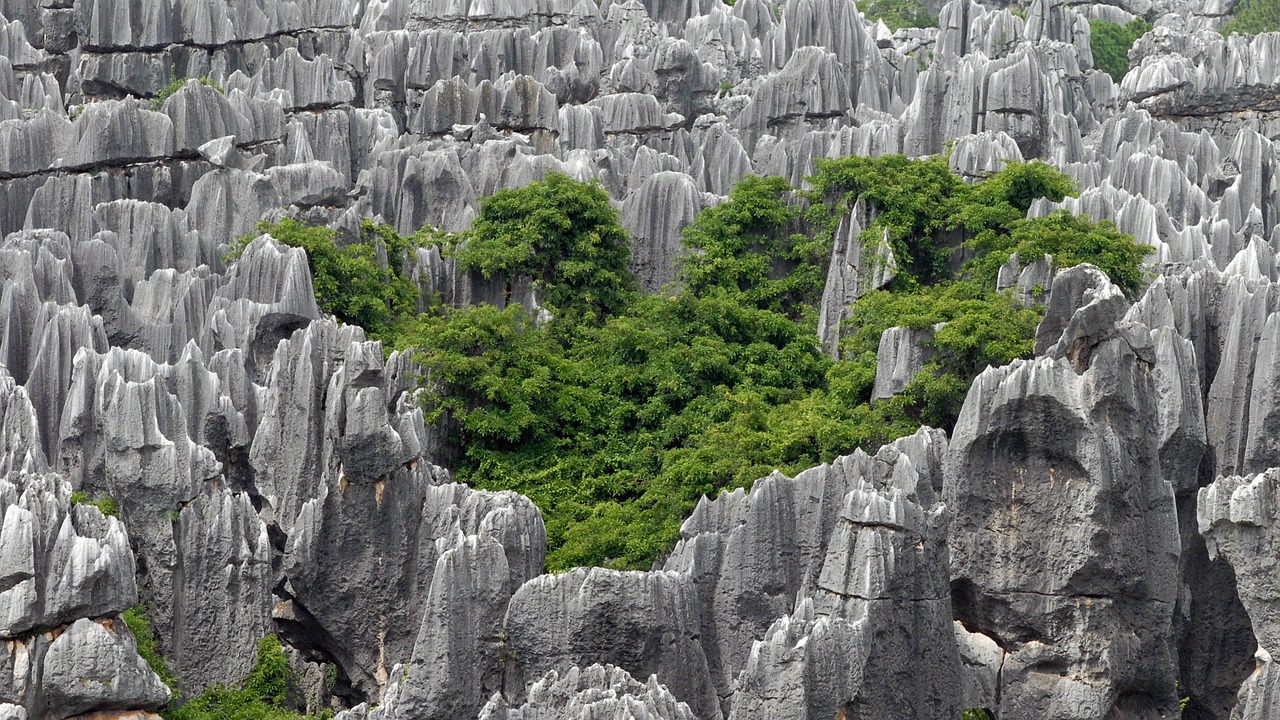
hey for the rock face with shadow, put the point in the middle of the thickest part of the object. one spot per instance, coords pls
(1065, 543)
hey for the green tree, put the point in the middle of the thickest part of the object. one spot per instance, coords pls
(615, 417)
(1071, 240)
(560, 232)
(914, 201)
(1253, 17)
(747, 245)
(898, 14)
(1111, 42)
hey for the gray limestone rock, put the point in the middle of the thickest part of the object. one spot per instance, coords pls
(94, 665)
(60, 562)
(252, 447)
(902, 354)
(976, 156)
(813, 87)
(68, 571)
(222, 597)
(852, 271)
(656, 214)
(1055, 481)
(458, 658)
(34, 144)
(119, 133)
(751, 555)
(646, 623)
(150, 237)
(1084, 307)
(880, 619)
(591, 692)
(305, 84)
(346, 480)
(1245, 309)
(201, 113)
(1235, 515)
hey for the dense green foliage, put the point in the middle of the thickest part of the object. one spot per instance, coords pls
(594, 420)
(615, 418)
(1111, 42)
(898, 14)
(616, 411)
(1071, 240)
(559, 232)
(1253, 17)
(106, 504)
(364, 283)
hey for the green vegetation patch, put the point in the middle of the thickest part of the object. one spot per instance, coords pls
(263, 695)
(1253, 17)
(1111, 43)
(157, 102)
(898, 14)
(365, 283)
(620, 410)
(106, 504)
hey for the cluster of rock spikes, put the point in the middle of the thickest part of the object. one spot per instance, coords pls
(1097, 538)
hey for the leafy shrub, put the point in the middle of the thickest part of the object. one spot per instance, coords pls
(914, 199)
(176, 84)
(1071, 240)
(1111, 43)
(561, 233)
(898, 14)
(263, 695)
(744, 246)
(140, 625)
(105, 504)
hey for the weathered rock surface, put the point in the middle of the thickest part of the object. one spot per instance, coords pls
(1236, 515)
(646, 623)
(68, 572)
(595, 691)
(1065, 544)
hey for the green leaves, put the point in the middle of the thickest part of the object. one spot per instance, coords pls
(263, 695)
(1253, 17)
(898, 14)
(139, 624)
(747, 245)
(982, 328)
(1071, 240)
(560, 232)
(914, 201)
(1111, 42)
(106, 504)
(620, 412)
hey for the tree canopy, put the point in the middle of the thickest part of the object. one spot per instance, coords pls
(620, 411)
